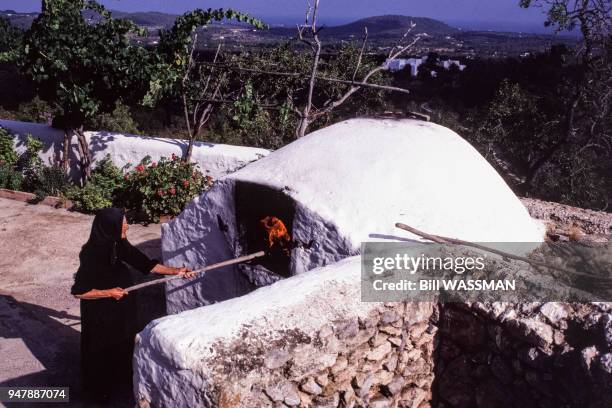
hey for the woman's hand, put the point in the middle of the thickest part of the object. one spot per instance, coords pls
(116, 293)
(184, 272)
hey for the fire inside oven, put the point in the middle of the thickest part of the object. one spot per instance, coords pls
(264, 218)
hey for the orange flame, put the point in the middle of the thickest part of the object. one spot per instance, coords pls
(277, 233)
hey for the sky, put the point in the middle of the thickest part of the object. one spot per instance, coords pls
(481, 13)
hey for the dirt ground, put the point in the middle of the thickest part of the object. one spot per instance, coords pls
(39, 319)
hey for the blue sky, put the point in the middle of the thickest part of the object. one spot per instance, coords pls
(504, 12)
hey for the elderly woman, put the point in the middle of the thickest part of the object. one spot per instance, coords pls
(108, 313)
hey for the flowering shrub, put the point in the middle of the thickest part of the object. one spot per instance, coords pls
(162, 188)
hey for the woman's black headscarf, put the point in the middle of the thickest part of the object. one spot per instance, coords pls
(104, 256)
(106, 232)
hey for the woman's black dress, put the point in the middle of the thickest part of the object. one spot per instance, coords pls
(108, 326)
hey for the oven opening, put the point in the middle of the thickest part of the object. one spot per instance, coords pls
(264, 217)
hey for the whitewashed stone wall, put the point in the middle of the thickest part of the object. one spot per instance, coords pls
(309, 341)
(216, 160)
(304, 341)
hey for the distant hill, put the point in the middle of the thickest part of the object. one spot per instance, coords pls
(382, 31)
(21, 20)
(147, 18)
(392, 25)
(380, 27)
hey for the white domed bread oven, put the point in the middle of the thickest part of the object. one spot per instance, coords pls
(326, 193)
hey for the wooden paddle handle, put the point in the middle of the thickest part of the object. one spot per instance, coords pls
(201, 270)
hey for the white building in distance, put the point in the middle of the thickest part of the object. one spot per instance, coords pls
(399, 64)
(447, 64)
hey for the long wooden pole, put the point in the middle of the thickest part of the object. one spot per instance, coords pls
(201, 270)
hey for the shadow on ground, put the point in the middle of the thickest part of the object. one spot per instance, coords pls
(53, 339)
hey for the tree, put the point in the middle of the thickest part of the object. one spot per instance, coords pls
(83, 66)
(10, 40)
(180, 75)
(308, 34)
(302, 96)
(586, 122)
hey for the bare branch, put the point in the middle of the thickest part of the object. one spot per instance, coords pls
(329, 106)
(212, 69)
(363, 46)
(305, 117)
(184, 83)
(306, 24)
(359, 84)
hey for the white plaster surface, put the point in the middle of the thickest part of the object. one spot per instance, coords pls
(215, 159)
(172, 356)
(351, 182)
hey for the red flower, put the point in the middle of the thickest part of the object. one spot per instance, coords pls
(140, 168)
(154, 164)
(160, 192)
(185, 183)
(174, 157)
(172, 190)
(127, 177)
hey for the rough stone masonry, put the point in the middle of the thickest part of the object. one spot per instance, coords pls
(309, 341)
(296, 348)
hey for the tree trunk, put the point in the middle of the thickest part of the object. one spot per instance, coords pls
(187, 157)
(66, 150)
(85, 155)
(300, 131)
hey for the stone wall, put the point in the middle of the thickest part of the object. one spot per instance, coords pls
(561, 217)
(382, 360)
(216, 160)
(525, 355)
(310, 341)
(304, 341)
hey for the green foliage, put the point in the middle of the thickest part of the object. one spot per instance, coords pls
(8, 155)
(558, 13)
(102, 190)
(162, 188)
(51, 181)
(37, 177)
(31, 165)
(515, 122)
(244, 106)
(249, 121)
(175, 44)
(83, 68)
(574, 177)
(120, 121)
(9, 177)
(519, 128)
(174, 51)
(10, 40)
(35, 110)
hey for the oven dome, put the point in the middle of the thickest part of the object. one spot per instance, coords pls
(348, 183)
